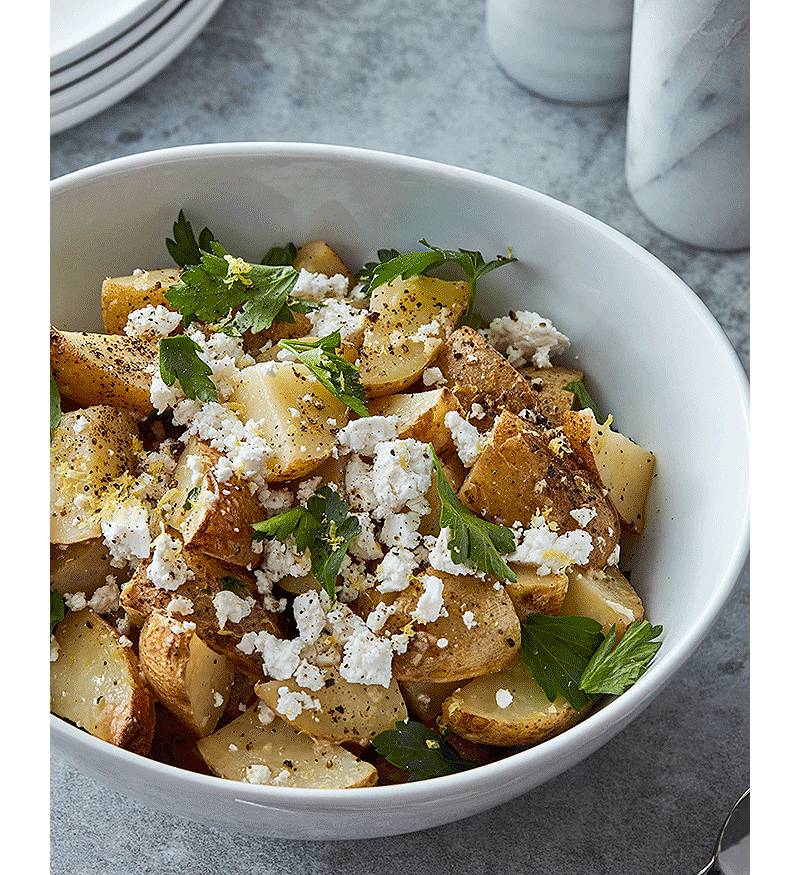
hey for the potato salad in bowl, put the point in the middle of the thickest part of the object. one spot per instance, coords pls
(311, 528)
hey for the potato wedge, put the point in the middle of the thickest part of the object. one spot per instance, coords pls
(517, 474)
(140, 598)
(425, 699)
(605, 596)
(215, 518)
(248, 742)
(95, 683)
(489, 646)
(348, 712)
(623, 467)
(190, 680)
(121, 295)
(548, 385)
(89, 451)
(82, 566)
(421, 416)
(473, 713)
(175, 744)
(533, 593)
(412, 319)
(103, 369)
(299, 418)
(478, 374)
(317, 257)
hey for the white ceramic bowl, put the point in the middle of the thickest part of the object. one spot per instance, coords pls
(654, 355)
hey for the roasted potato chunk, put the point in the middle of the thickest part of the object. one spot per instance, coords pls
(212, 516)
(82, 566)
(605, 596)
(425, 699)
(412, 318)
(534, 593)
(473, 711)
(623, 467)
(95, 683)
(140, 598)
(478, 374)
(421, 416)
(548, 384)
(518, 474)
(317, 257)
(347, 712)
(89, 451)
(190, 680)
(103, 369)
(298, 417)
(246, 742)
(490, 645)
(121, 295)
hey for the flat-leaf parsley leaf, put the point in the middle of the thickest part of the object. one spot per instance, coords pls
(612, 670)
(178, 359)
(55, 404)
(423, 753)
(185, 249)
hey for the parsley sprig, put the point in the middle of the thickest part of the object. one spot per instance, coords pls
(473, 541)
(570, 656)
(367, 271)
(57, 609)
(281, 255)
(408, 264)
(337, 375)
(585, 400)
(233, 584)
(55, 404)
(421, 751)
(325, 527)
(178, 359)
(185, 249)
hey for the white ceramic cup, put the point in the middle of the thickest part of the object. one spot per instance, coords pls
(576, 51)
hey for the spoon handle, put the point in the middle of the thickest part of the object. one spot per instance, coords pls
(707, 868)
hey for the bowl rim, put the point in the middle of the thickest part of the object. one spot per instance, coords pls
(600, 722)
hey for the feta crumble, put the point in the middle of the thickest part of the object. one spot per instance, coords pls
(431, 604)
(309, 616)
(280, 657)
(469, 619)
(432, 377)
(440, 558)
(362, 435)
(401, 529)
(152, 321)
(230, 606)
(550, 552)
(316, 286)
(583, 515)
(366, 659)
(466, 437)
(257, 773)
(339, 316)
(503, 698)
(168, 569)
(265, 714)
(526, 337)
(394, 572)
(291, 703)
(127, 534)
(401, 476)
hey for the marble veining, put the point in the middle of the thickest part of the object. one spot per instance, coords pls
(419, 79)
(688, 121)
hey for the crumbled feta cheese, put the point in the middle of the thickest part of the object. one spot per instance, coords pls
(230, 606)
(307, 488)
(469, 619)
(364, 546)
(477, 411)
(432, 377)
(359, 485)
(232, 747)
(127, 534)
(441, 643)
(141, 279)
(180, 605)
(218, 699)
(401, 476)
(524, 336)
(281, 657)
(275, 501)
(339, 316)
(53, 648)
(362, 435)
(394, 572)
(366, 659)
(309, 676)
(281, 559)
(265, 714)
(105, 599)
(124, 641)
(551, 552)
(224, 470)
(257, 773)
(292, 702)
(503, 698)
(583, 515)
(168, 569)
(613, 559)
(467, 438)
(377, 618)
(309, 616)
(80, 425)
(152, 321)
(401, 529)
(431, 604)
(75, 601)
(282, 778)
(316, 286)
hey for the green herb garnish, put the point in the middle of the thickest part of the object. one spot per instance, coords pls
(416, 263)
(281, 255)
(185, 249)
(473, 541)
(585, 400)
(365, 274)
(178, 359)
(325, 527)
(57, 609)
(191, 496)
(421, 751)
(55, 404)
(335, 373)
(233, 584)
(612, 670)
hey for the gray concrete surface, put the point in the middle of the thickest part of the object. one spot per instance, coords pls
(417, 78)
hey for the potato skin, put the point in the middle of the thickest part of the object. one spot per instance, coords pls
(140, 598)
(517, 474)
(532, 593)
(548, 386)
(421, 416)
(490, 646)
(92, 369)
(317, 256)
(478, 374)
(119, 296)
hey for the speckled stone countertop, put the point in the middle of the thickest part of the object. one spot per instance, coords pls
(417, 78)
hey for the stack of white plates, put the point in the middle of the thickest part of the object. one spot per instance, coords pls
(102, 50)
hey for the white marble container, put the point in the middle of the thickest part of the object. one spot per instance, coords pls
(688, 149)
(576, 51)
